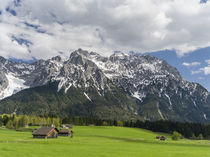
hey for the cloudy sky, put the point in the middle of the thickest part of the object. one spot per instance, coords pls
(175, 30)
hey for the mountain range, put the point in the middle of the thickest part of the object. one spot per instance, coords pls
(121, 86)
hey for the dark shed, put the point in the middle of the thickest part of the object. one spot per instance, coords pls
(65, 132)
(162, 138)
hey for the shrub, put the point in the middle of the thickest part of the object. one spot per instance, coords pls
(9, 125)
(200, 137)
(176, 135)
(193, 137)
(105, 123)
(119, 123)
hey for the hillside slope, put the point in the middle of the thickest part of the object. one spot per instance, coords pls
(46, 100)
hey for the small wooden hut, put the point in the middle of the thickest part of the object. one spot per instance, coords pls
(45, 132)
(65, 132)
(162, 138)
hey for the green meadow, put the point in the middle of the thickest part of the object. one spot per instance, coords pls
(100, 141)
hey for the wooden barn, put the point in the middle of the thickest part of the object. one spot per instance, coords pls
(65, 132)
(45, 132)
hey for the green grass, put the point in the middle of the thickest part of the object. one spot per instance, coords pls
(100, 142)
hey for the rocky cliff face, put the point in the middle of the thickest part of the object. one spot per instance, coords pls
(157, 86)
(156, 89)
(3, 82)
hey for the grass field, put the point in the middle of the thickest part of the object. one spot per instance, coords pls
(100, 141)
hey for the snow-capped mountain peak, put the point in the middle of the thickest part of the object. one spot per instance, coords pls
(149, 81)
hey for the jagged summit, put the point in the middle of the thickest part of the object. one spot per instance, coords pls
(156, 88)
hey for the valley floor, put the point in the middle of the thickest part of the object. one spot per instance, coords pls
(94, 141)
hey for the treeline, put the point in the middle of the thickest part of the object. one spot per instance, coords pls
(18, 121)
(188, 130)
(91, 121)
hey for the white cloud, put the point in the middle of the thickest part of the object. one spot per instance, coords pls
(206, 70)
(193, 72)
(191, 64)
(104, 26)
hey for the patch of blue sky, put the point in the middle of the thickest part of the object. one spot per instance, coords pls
(41, 31)
(22, 41)
(11, 11)
(116, 51)
(23, 61)
(17, 3)
(203, 1)
(31, 25)
(60, 52)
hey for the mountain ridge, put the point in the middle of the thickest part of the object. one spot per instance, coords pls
(157, 90)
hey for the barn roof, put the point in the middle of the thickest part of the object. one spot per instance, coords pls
(44, 130)
(67, 125)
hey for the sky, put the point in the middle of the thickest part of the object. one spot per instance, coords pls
(175, 30)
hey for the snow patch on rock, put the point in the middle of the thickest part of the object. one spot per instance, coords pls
(194, 103)
(169, 99)
(160, 113)
(138, 95)
(67, 88)
(87, 96)
(14, 85)
(204, 115)
(61, 83)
